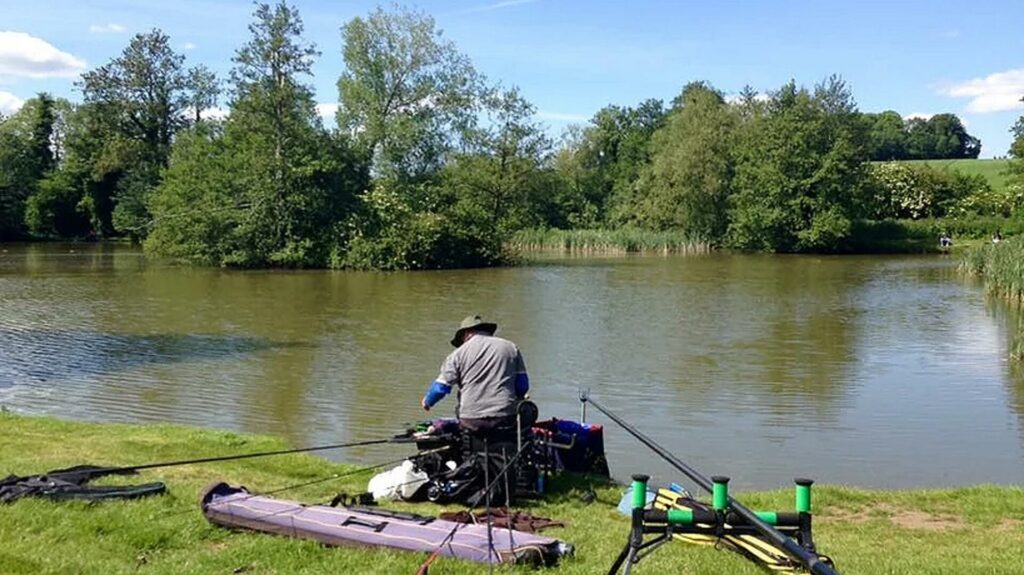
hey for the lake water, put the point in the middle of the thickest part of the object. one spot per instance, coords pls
(872, 371)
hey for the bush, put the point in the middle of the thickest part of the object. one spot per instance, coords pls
(895, 236)
(389, 234)
(917, 191)
(59, 209)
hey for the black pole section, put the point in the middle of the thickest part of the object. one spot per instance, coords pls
(808, 559)
(129, 468)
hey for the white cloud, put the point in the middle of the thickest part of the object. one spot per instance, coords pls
(327, 110)
(9, 103)
(110, 28)
(498, 6)
(187, 46)
(215, 113)
(561, 117)
(24, 55)
(997, 92)
(738, 98)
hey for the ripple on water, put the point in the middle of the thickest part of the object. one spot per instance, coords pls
(873, 371)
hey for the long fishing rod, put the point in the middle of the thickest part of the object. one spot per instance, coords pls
(814, 564)
(133, 468)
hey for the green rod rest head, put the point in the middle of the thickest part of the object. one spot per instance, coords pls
(803, 494)
(640, 490)
(720, 492)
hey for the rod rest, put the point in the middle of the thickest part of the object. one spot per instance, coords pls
(708, 517)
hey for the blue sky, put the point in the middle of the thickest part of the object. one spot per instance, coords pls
(572, 57)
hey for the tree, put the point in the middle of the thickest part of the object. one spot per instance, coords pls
(687, 184)
(951, 140)
(614, 148)
(941, 136)
(27, 155)
(144, 91)
(800, 171)
(572, 203)
(1016, 168)
(139, 102)
(887, 138)
(406, 94)
(498, 176)
(271, 187)
(204, 91)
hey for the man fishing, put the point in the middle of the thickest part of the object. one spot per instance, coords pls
(489, 372)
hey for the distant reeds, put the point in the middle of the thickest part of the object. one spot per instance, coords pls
(1001, 265)
(619, 241)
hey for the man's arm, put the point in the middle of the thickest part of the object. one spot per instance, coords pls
(522, 380)
(522, 384)
(438, 390)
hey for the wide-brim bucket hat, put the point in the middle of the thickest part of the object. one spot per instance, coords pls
(473, 323)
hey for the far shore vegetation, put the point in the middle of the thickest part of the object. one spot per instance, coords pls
(430, 164)
(1001, 266)
(923, 531)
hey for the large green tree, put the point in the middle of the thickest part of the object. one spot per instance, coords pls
(406, 93)
(28, 154)
(610, 152)
(887, 137)
(687, 184)
(800, 172)
(941, 136)
(138, 102)
(499, 184)
(271, 187)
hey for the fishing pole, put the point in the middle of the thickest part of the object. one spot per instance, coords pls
(811, 561)
(134, 468)
(335, 500)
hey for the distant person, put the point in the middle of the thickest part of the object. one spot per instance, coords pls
(945, 241)
(489, 372)
(997, 237)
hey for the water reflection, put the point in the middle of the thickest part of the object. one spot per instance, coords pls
(873, 371)
(50, 355)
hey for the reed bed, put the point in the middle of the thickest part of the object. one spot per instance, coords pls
(1001, 266)
(599, 241)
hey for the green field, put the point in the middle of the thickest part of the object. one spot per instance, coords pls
(991, 169)
(968, 530)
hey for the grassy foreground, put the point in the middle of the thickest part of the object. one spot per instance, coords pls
(969, 530)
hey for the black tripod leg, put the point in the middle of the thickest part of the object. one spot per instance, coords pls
(631, 560)
(487, 499)
(618, 560)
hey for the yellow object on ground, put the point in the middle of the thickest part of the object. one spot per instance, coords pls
(752, 547)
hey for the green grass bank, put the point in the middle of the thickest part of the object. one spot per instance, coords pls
(993, 170)
(968, 530)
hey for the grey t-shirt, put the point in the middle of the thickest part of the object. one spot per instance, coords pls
(484, 368)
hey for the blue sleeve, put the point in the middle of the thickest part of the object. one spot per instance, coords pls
(522, 384)
(437, 392)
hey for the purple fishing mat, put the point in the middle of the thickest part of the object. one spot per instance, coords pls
(230, 506)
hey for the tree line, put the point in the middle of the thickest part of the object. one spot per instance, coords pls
(432, 164)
